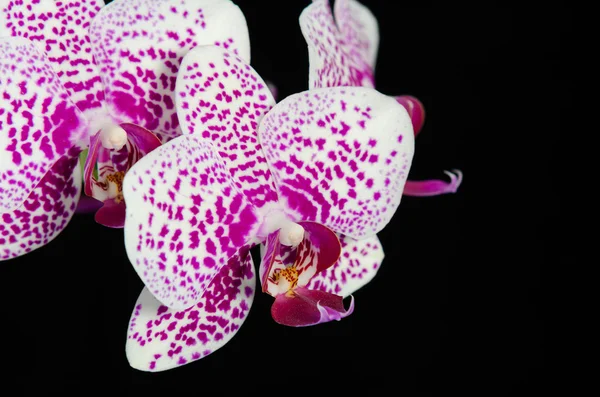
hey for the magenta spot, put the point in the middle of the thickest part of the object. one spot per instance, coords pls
(164, 231)
(16, 158)
(211, 248)
(180, 315)
(161, 309)
(320, 143)
(202, 337)
(345, 128)
(209, 262)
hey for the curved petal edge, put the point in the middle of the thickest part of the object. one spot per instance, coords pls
(160, 338)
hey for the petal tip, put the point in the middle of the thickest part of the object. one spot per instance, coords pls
(329, 314)
(456, 177)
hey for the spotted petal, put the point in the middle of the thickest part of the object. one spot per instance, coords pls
(222, 99)
(45, 212)
(139, 45)
(38, 122)
(359, 30)
(160, 338)
(337, 58)
(340, 157)
(185, 219)
(358, 264)
(60, 29)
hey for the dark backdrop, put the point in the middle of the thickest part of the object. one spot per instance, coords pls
(458, 304)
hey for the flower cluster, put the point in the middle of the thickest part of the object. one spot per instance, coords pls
(185, 146)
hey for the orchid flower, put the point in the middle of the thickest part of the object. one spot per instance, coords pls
(246, 172)
(343, 52)
(76, 75)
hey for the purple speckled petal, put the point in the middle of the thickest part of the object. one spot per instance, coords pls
(160, 338)
(303, 307)
(45, 212)
(415, 110)
(434, 187)
(60, 29)
(340, 156)
(185, 219)
(139, 44)
(359, 30)
(358, 264)
(38, 122)
(222, 99)
(335, 58)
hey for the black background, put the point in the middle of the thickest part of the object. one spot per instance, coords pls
(459, 303)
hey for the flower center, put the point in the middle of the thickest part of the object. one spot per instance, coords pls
(113, 136)
(291, 234)
(114, 186)
(286, 278)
